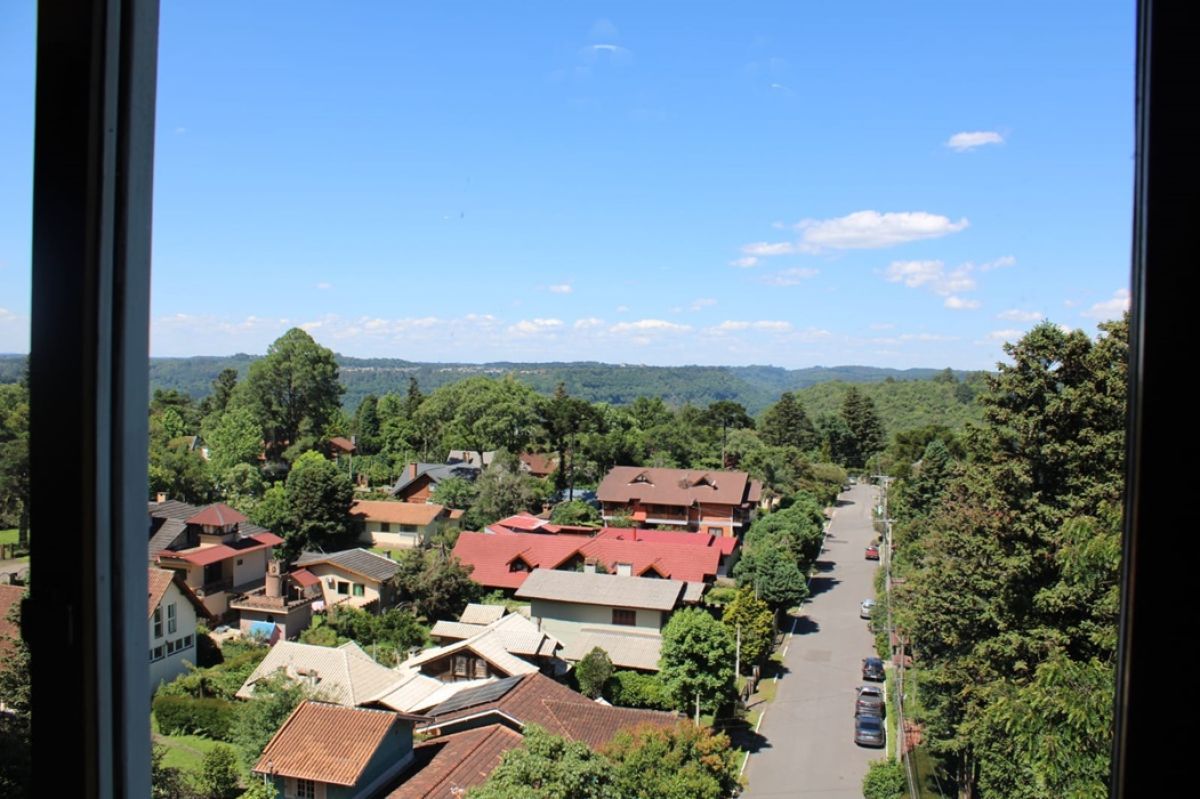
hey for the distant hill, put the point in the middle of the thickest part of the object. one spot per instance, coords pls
(909, 396)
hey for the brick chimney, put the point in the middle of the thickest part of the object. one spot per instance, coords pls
(160, 497)
(412, 471)
(274, 583)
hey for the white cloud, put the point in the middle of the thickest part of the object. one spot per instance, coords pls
(622, 309)
(1005, 335)
(324, 286)
(611, 52)
(999, 263)
(1017, 315)
(1109, 309)
(744, 262)
(531, 327)
(561, 288)
(644, 326)
(864, 230)
(589, 323)
(702, 303)
(790, 277)
(933, 276)
(729, 326)
(767, 249)
(962, 142)
(960, 304)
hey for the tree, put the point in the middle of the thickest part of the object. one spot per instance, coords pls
(593, 672)
(575, 512)
(884, 780)
(696, 661)
(563, 417)
(769, 569)
(257, 720)
(444, 587)
(294, 393)
(753, 620)
(167, 782)
(785, 424)
(260, 789)
(367, 425)
(16, 721)
(222, 391)
(504, 490)
(455, 492)
(14, 459)
(682, 762)
(218, 777)
(318, 497)
(726, 414)
(233, 437)
(866, 430)
(546, 766)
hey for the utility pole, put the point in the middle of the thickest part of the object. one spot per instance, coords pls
(737, 658)
(697, 707)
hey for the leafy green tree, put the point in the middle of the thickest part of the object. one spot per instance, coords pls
(413, 398)
(562, 418)
(549, 767)
(480, 414)
(786, 424)
(233, 437)
(753, 619)
(218, 399)
(504, 490)
(575, 512)
(884, 780)
(866, 429)
(167, 782)
(260, 717)
(318, 497)
(366, 426)
(683, 762)
(14, 459)
(455, 492)
(593, 672)
(16, 721)
(260, 789)
(294, 393)
(837, 442)
(726, 414)
(272, 511)
(218, 777)
(696, 661)
(769, 569)
(443, 587)
(180, 473)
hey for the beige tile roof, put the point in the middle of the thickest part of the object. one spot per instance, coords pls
(392, 512)
(486, 645)
(327, 743)
(476, 613)
(345, 675)
(601, 589)
(692, 592)
(454, 629)
(625, 650)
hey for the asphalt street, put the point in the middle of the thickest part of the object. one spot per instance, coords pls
(809, 747)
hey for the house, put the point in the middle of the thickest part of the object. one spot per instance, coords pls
(528, 523)
(353, 577)
(343, 675)
(538, 465)
(513, 632)
(326, 751)
(400, 525)
(340, 445)
(485, 654)
(725, 545)
(448, 766)
(472, 458)
(419, 480)
(580, 605)
(282, 608)
(716, 502)
(536, 699)
(172, 613)
(218, 550)
(505, 560)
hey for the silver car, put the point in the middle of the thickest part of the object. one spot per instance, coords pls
(864, 610)
(868, 731)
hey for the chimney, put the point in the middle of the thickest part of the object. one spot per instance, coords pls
(624, 569)
(412, 471)
(274, 583)
(161, 496)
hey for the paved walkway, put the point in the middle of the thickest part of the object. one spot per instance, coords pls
(808, 744)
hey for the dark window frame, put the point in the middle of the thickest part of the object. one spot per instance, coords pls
(624, 617)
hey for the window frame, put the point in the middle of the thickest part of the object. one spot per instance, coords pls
(624, 617)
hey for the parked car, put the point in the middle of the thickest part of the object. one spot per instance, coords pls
(864, 610)
(872, 552)
(869, 701)
(868, 731)
(872, 669)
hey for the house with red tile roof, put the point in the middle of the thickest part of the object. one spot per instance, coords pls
(717, 502)
(537, 464)
(335, 752)
(505, 560)
(172, 612)
(528, 523)
(447, 766)
(221, 554)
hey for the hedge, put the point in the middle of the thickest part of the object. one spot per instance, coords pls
(634, 689)
(184, 715)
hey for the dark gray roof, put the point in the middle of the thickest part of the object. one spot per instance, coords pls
(476, 696)
(166, 536)
(173, 509)
(437, 472)
(359, 561)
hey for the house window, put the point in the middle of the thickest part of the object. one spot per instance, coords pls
(625, 617)
(359, 589)
(158, 632)
(188, 640)
(481, 669)
(171, 621)
(408, 528)
(239, 561)
(158, 654)
(343, 588)
(306, 789)
(462, 664)
(715, 531)
(384, 527)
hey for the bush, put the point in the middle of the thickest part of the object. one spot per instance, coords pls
(634, 689)
(218, 778)
(184, 715)
(593, 672)
(884, 780)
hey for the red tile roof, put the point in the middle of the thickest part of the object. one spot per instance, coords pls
(537, 699)
(342, 443)
(327, 743)
(678, 487)
(305, 578)
(726, 544)
(491, 555)
(539, 465)
(217, 515)
(450, 764)
(202, 556)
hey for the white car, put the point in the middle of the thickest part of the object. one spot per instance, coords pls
(864, 610)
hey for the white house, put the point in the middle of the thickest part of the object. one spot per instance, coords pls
(173, 612)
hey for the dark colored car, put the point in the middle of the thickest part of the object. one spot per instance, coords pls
(872, 669)
(870, 701)
(872, 552)
(868, 731)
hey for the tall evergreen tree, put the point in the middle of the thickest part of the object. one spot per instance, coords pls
(866, 430)
(787, 424)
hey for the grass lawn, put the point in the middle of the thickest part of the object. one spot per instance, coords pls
(8, 536)
(187, 751)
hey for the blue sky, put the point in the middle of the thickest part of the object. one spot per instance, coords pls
(668, 183)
